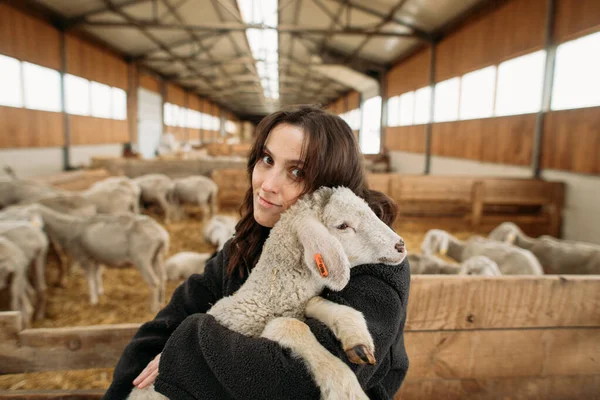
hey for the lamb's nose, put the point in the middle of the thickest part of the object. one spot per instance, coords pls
(400, 246)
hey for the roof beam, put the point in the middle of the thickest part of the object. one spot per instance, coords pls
(73, 21)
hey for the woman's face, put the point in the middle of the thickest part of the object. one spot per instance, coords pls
(277, 178)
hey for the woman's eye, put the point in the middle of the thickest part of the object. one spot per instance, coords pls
(267, 159)
(343, 226)
(297, 173)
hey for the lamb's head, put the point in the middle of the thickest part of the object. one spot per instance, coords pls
(479, 265)
(506, 232)
(347, 233)
(435, 241)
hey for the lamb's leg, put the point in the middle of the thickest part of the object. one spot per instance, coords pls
(334, 378)
(90, 273)
(167, 207)
(63, 264)
(348, 325)
(40, 285)
(99, 283)
(146, 269)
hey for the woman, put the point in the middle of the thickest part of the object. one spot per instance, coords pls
(295, 152)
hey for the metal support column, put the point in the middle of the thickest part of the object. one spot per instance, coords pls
(63, 103)
(431, 108)
(550, 46)
(383, 119)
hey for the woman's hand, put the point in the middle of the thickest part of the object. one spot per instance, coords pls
(148, 375)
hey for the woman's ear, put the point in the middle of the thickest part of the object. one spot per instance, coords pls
(331, 264)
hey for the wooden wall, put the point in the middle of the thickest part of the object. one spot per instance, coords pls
(149, 82)
(510, 30)
(21, 127)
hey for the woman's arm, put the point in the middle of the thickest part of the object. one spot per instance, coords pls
(195, 295)
(204, 359)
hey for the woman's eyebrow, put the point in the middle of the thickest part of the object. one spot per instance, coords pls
(289, 162)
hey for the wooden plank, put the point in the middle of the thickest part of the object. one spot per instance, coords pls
(406, 138)
(483, 354)
(90, 130)
(410, 74)
(576, 18)
(93, 394)
(22, 127)
(150, 83)
(380, 182)
(175, 95)
(455, 302)
(525, 388)
(520, 191)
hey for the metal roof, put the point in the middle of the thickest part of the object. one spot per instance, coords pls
(326, 47)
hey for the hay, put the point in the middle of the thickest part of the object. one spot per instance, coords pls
(126, 300)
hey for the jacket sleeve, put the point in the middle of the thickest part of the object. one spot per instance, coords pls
(196, 295)
(205, 360)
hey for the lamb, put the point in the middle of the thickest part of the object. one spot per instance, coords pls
(17, 190)
(285, 284)
(114, 195)
(219, 230)
(511, 260)
(199, 190)
(556, 256)
(112, 240)
(159, 189)
(184, 264)
(34, 245)
(13, 275)
(430, 264)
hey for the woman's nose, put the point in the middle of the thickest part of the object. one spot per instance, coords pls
(270, 182)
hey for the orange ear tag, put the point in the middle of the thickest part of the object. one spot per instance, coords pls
(321, 266)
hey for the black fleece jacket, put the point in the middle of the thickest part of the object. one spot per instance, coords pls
(203, 360)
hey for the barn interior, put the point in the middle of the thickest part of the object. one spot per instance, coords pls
(470, 115)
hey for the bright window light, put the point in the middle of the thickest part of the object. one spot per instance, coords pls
(355, 119)
(407, 109)
(446, 100)
(520, 83)
(10, 82)
(477, 93)
(393, 111)
(230, 127)
(576, 74)
(422, 105)
(119, 104)
(167, 114)
(101, 100)
(77, 95)
(370, 137)
(42, 88)
(181, 122)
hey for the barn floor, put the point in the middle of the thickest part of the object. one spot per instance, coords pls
(125, 300)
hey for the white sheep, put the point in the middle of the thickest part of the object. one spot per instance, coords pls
(284, 285)
(114, 195)
(33, 243)
(14, 191)
(199, 190)
(430, 264)
(13, 276)
(219, 229)
(159, 189)
(184, 264)
(556, 256)
(511, 260)
(114, 241)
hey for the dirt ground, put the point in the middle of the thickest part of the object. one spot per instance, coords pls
(126, 300)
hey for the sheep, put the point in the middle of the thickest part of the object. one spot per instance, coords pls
(556, 256)
(159, 189)
(199, 190)
(430, 264)
(285, 283)
(511, 260)
(185, 264)
(114, 195)
(112, 240)
(17, 190)
(34, 245)
(219, 230)
(13, 275)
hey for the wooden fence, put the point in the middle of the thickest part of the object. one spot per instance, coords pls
(467, 337)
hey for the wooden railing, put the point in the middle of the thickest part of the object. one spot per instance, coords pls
(466, 337)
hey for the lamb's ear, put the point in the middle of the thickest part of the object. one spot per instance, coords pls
(316, 239)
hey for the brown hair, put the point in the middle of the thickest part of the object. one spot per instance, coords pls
(331, 158)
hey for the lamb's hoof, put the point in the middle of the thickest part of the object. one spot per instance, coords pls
(360, 355)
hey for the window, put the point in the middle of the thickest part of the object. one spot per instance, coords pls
(371, 126)
(77, 95)
(10, 82)
(393, 108)
(576, 76)
(42, 88)
(230, 127)
(119, 104)
(101, 100)
(355, 119)
(407, 109)
(446, 100)
(520, 83)
(477, 93)
(422, 105)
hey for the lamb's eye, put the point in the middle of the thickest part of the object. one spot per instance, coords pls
(343, 226)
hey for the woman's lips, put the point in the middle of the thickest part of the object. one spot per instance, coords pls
(265, 203)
